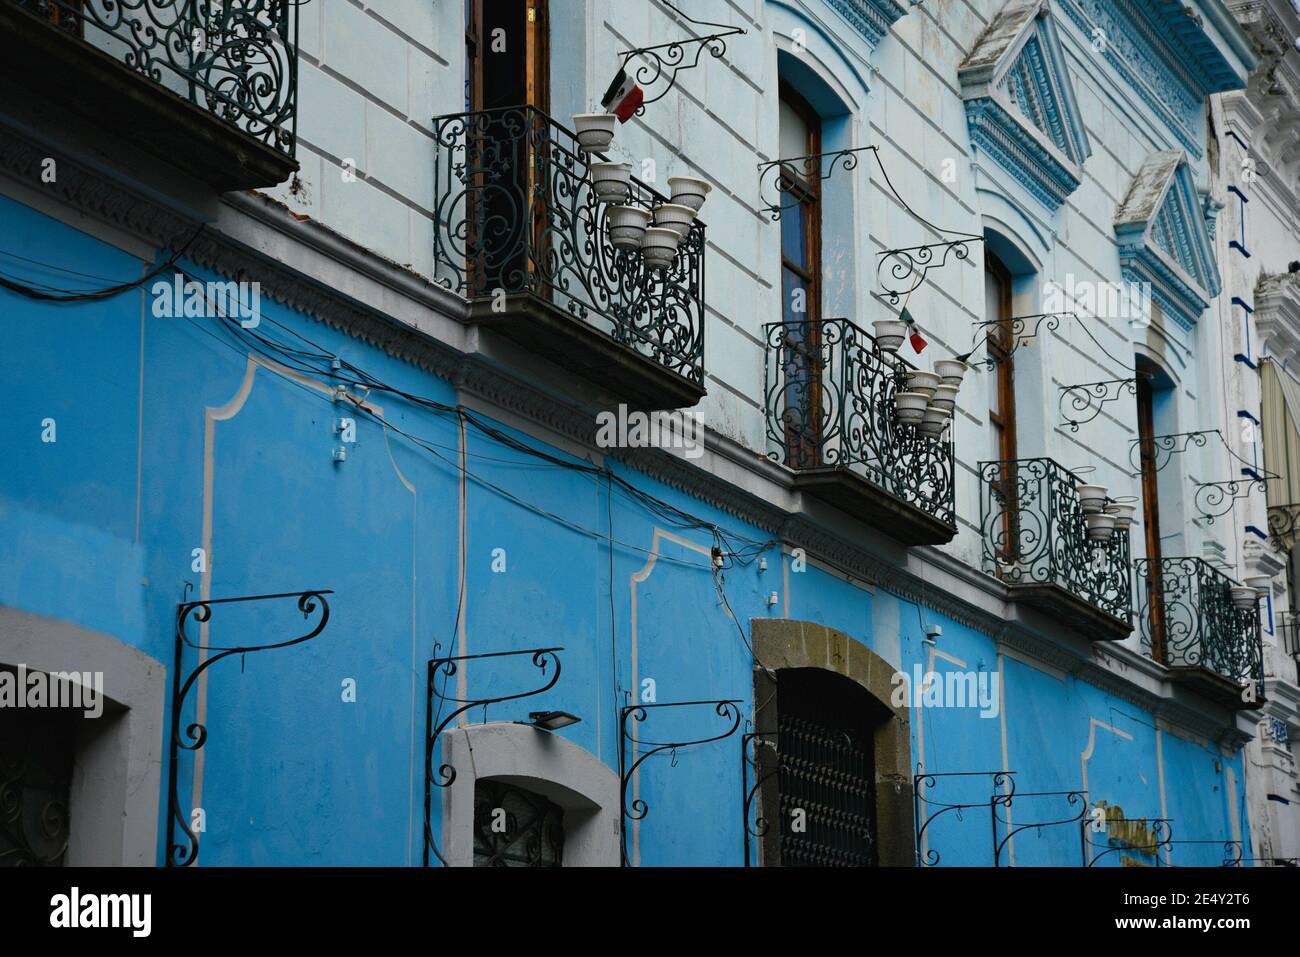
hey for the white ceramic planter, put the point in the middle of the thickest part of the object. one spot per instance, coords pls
(889, 333)
(935, 421)
(627, 225)
(688, 191)
(1261, 583)
(921, 381)
(676, 217)
(611, 181)
(1123, 512)
(1244, 597)
(659, 246)
(595, 131)
(911, 406)
(945, 396)
(952, 371)
(1092, 497)
(1100, 525)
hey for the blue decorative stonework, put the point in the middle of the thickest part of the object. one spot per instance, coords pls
(1164, 238)
(871, 18)
(1020, 104)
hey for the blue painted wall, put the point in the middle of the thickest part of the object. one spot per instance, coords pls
(98, 528)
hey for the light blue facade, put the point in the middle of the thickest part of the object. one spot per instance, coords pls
(172, 434)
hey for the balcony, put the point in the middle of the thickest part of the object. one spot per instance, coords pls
(209, 87)
(1038, 541)
(1208, 643)
(523, 235)
(831, 418)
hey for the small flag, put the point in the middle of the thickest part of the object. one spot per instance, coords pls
(623, 97)
(914, 336)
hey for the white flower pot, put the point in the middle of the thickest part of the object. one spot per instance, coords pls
(935, 421)
(1100, 525)
(595, 131)
(920, 381)
(1123, 512)
(675, 216)
(688, 191)
(627, 225)
(951, 370)
(659, 246)
(1092, 497)
(1244, 597)
(889, 333)
(945, 396)
(1261, 583)
(611, 181)
(911, 406)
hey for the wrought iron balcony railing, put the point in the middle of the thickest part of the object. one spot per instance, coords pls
(234, 59)
(1035, 537)
(1192, 623)
(517, 213)
(829, 392)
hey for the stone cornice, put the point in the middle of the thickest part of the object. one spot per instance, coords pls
(417, 322)
(1277, 312)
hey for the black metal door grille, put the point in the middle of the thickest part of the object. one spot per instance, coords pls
(36, 756)
(826, 772)
(516, 828)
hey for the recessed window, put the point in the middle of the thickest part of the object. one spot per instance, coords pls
(515, 827)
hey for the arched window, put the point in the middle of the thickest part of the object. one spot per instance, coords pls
(516, 827)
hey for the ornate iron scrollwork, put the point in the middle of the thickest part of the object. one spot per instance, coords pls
(1232, 851)
(237, 61)
(638, 809)
(1159, 450)
(518, 214)
(1199, 624)
(1152, 835)
(830, 391)
(182, 855)
(1088, 398)
(1034, 533)
(1018, 331)
(928, 856)
(783, 174)
(670, 58)
(900, 272)
(751, 759)
(1073, 798)
(435, 724)
(1214, 500)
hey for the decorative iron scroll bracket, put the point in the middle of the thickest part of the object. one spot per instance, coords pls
(1088, 398)
(1216, 499)
(900, 272)
(1161, 830)
(1072, 798)
(783, 175)
(670, 58)
(183, 854)
(751, 744)
(434, 725)
(1019, 332)
(999, 779)
(1271, 861)
(1160, 449)
(1232, 851)
(638, 809)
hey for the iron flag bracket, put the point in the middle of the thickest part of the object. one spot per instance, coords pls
(638, 809)
(999, 779)
(1072, 798)
(196, 733)
(670, 58)
(1087, 399)
(448, 667)
(782, 175)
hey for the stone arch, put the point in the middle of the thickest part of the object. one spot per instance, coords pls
(544, 763)
(785, 644)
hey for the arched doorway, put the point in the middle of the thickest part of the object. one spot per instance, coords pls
(837, 785)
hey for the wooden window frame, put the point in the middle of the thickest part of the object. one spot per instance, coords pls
(1000, 345)
(1151, 515)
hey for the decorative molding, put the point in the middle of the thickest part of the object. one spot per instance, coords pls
(1020, 103)
(834, 540)
(1277, 312)
(1164, 237)
(871, 18)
